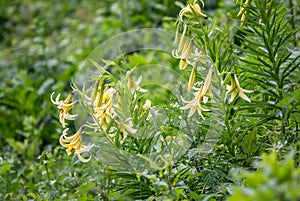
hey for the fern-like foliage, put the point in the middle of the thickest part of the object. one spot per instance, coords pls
(271, 63)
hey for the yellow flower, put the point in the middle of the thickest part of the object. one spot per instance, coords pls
(235, 89)
(195, 104)
(74, 144)
(192, 79)
(207, 87)
(64, 107)
(184, 50)
(103, 106)
(191, 9)
(103, 117)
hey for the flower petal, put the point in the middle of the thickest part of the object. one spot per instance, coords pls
(182, 64)
(243, 96)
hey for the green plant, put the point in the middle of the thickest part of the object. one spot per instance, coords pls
(274, 179)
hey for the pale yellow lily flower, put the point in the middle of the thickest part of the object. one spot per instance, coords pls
(235, 89)
(184, 50)
(195, 104)
(64, 107)
(74, 144)
(192, 79)
(191, 9)
(207, 87)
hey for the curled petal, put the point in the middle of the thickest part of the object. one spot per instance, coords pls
(235, 89)
(56, 102)
(83, 159)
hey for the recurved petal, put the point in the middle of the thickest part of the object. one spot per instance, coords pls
(183, 12)
(196, 8)
(175, 54)
(56, 102)
(83, 159)
(243, 96)
(187, 106)
(70, 116)
(203, 109)
(139, 89)
(63, 142)
(247, 91)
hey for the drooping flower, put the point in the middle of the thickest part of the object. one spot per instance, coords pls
(74, 144)
(235, 89)
(195, 104)
(207, 86)
(191, 9)
(192, 79)
(64, 107)
(184, 50)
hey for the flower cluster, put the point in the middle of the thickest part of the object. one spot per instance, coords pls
(184, 50)
(72, 143)
(105, 107)
(187, 56)
(203, 93)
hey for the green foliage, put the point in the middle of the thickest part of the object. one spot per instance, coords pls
(42, 44)
(272, 65)
(273, 180)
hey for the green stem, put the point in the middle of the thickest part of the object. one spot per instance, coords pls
(47, 170)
